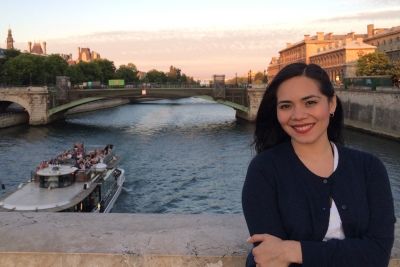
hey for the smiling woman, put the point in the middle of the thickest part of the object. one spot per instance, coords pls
(307, 199)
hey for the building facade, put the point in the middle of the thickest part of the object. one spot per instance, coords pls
(85, 55)
(339, 60)
(302, 51)
(386, 40)
(37, 48)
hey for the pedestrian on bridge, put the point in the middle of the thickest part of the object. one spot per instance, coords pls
(308, 200)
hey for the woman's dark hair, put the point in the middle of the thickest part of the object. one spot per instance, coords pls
(268, 130)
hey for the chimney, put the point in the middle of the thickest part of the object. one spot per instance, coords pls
(329, 36)
(30, 47)
(288, 45)
(370, 30)
(350, 35)
(44, 48)
(306, 37)
(320, 36)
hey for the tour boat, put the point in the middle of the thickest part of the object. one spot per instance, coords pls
(61, 185)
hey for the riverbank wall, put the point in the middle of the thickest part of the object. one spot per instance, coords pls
(376, 112)
(88, 240)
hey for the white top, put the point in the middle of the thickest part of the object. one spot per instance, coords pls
(335, 228)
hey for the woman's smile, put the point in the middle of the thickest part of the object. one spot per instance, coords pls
(303, 128)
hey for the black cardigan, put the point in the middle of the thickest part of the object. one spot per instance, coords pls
(283, 198)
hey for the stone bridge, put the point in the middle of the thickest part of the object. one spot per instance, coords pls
(44, 105)
(35, 101)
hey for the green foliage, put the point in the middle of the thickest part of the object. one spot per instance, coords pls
(91, 71)
(155, 76)
(27, 69)
(174, 75)
(75, 74)
(373, 64)
(107, 70)
(132, 67)
(128, 73)
(54, 65)
(395, 71)
(24, 69)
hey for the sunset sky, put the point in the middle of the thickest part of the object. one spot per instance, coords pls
(201, 37)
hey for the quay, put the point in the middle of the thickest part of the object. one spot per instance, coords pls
(127, 240)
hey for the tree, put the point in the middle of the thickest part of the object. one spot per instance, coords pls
(376, 63)
(259, 77)
(132, 67)
(107, 69)
(75, 74)
(54, 66)
(91, 71)
(24, 69)
(395, 70)
(155, 76)
(127, 73)
(174, 74)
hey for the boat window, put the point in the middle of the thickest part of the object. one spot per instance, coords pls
(56, 181)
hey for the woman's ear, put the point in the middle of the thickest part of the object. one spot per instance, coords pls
(332, 104)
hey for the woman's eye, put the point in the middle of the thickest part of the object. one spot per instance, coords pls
(284, 106)
(311, 103)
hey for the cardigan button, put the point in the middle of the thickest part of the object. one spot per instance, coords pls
(344, 207)
(325, 181)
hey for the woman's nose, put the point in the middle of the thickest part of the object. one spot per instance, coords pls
(298, 113)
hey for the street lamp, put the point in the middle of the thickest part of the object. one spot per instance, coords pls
(337, 79)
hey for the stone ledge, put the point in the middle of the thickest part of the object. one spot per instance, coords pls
(81, 239)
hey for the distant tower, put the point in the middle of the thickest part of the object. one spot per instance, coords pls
(30, 47)
(79, 54)
(10, 40)
(44, 48)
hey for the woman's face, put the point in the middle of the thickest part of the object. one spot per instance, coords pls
(303, 111)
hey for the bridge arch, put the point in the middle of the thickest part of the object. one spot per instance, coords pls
(18, 100)
(59, 111)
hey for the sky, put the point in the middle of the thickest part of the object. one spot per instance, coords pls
(202, 38)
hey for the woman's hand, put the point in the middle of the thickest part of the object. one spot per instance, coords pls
(275, 252)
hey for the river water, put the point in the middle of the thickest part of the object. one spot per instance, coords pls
(180, 156)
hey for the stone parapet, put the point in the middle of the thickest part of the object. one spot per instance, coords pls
(78, 239)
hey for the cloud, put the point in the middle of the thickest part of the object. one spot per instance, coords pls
(366, 16)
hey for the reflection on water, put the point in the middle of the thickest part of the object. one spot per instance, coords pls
(182, 156)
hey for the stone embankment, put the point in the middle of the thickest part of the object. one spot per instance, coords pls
(127, 240)
(377, 112)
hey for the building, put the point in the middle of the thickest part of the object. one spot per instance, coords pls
(386, 40)
(10, 40)
(85, 55)
(68, 58)
(37, 48)
(339, 59)
(306, 48)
